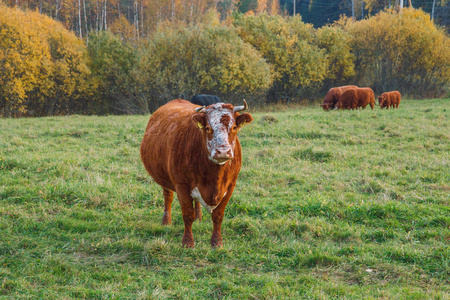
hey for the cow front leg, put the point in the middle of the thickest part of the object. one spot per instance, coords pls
(168, 199)
(216, 238)
(187, 209)
(217, 218)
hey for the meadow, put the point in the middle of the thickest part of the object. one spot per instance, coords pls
(328, 205)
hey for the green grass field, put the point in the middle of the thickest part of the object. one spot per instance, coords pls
(328, 205)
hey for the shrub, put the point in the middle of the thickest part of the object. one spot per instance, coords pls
(341, 66)
(43, 67)
(178, 62)
(287, 44)
(112, 63)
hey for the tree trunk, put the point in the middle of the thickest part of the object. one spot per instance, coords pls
(136, 19)
(362, 9)
(142, 18)
(57, 10)
(79, 19)
(98, 19)
(432, 10)
(85, 21)
(353, 10)
(106, 24)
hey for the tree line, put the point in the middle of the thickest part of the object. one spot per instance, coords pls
(46, 69)
(137, 19)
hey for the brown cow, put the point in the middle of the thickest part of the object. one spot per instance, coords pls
(194, 151)
(390, 99)
(356, 98)
(333, 96)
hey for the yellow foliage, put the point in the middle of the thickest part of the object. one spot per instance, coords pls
(124, 29)
(42, 65)
(288, 45)
(341, 65)
(400, 51)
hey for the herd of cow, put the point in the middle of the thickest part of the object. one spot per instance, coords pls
(192, 148)
(353, 97)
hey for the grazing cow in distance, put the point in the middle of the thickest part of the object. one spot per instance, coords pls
(195, 151)
(333, 96)
(389, 99)
(205, 100)
(356, 98)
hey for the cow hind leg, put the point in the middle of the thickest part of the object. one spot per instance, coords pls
(168, 199)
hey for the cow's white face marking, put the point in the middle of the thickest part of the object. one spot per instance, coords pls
(195, 194)
(215, 114)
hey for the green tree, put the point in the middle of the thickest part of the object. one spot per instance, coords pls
(113, 63)
(179, 61)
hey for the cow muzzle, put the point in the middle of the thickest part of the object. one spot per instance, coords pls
(222, 155)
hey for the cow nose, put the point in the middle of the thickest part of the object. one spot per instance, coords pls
(223, 154)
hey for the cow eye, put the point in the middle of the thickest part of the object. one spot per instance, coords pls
(208, 129)
(234, 128)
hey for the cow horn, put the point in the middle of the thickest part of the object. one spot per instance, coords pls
(241, 108)
(200, 109)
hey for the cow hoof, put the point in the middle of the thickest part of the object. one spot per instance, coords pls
(216, 241)
(188, 243)
(166, 220)
(217, 244)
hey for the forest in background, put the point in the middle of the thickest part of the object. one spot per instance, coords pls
(137, 19)
(263, 55)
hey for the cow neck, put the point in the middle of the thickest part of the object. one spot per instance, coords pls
(214, 174)
(218, 181)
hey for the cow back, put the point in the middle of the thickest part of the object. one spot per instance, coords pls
(365, 96)
(204, 99)
(334, 95)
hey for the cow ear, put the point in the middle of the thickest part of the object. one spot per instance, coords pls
(243, 119)
(199, 120)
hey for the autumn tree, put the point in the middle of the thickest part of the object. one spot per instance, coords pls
(340, 60)
(400, 51)
(43, 67)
